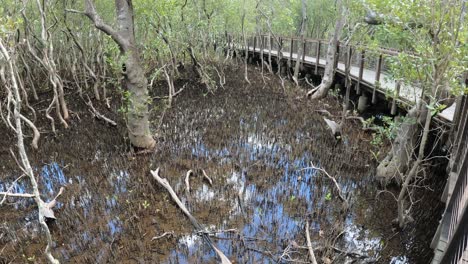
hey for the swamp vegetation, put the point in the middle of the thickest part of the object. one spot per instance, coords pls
(142, 132)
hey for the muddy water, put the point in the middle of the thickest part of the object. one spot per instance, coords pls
(255, 143)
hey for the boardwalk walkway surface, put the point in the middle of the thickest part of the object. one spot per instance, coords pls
(377, 80)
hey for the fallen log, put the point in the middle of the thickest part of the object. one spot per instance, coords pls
(199, 228)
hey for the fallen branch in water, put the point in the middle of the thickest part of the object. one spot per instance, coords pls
(214, 232)
(207, 178)
(187, 181)
(340, 193)
(23, 195)
(99, 115)
(309, 245)
(163, 235)
(163, 182)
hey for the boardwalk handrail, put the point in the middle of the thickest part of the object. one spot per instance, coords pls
(453, 236)
(366, 67)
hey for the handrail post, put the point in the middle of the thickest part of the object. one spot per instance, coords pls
(262, 47)
(254, 44)
(361, 72)
(304, 46)
(337, 55)
(290, 52)
(269, 47)
(280, 49)
(396, 95)
(317, 59)
(377, 79)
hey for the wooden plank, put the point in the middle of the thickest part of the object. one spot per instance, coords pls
(317, 58)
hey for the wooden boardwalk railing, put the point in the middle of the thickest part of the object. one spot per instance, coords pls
(451, 239)
(368, 68)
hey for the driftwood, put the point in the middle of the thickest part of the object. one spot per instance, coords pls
(210, 181)
(187, 181)
(168, 234)
(22, 195)
(163, 182)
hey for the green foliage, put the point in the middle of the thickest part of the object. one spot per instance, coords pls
(145, 204)
(328, 196)
(387, 131)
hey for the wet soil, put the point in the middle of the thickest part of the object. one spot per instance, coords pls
(255, 141)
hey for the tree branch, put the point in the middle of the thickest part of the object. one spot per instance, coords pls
(91, 13)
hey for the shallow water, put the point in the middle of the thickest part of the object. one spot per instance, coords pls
(256, 145)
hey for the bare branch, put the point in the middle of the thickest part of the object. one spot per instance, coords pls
(91, 13)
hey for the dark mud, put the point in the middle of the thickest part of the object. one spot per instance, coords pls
(255, 142)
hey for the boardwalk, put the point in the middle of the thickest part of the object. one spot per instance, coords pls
(370, 72)
(450, 242)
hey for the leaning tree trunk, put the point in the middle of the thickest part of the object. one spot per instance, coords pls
(134, 78)
(322, 90)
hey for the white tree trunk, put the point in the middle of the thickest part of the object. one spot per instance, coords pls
(322, 90)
